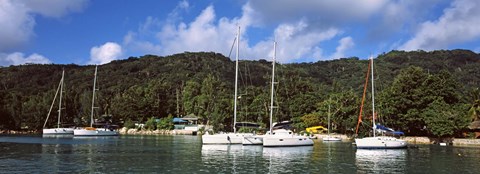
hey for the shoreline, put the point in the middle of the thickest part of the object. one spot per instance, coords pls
(412, 140)
(125, 131)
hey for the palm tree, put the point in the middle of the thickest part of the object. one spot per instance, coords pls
(474, 110)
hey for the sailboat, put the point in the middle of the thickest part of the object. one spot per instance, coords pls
(281, 137)
(106, 130)
(377, 142)
(232, 137)
(59, 130)
(330, 138)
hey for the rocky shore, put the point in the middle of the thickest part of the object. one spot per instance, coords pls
(23, 132)
(125, 131)
(410, 140)
(419, 140)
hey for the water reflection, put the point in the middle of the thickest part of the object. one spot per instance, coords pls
(231, 159)
(287, 159)
(58, 136)
(381, 160)
(95, 137)
(56, 158)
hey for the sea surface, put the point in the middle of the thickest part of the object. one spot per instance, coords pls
(186, 154)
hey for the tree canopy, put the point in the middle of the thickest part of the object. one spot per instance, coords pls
(414, 91)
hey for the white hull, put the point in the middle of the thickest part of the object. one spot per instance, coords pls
(380, 143)
(58, 131)
(253, 140)
(285, 138)
(329, 138)
(225, 138)
(95, 132)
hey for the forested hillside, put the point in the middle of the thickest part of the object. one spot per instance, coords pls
(416, 91)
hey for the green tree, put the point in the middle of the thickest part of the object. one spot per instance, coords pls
(166, 123)
(151, 124)
(191, 90)
(312, 119)
(411, 93)
(344, 108)
(129, 124)
(474, 111)
(444, 120)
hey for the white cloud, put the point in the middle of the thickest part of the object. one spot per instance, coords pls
(175, 14)
(18, 58)
(477, 50)
(105, 53)
(301, 29)
(17, 18)
(459, 23)
(296, 40)
(204, 33)
(55, 8)
(400, 16)
(344, 44)
(17, 25)
(319, 13)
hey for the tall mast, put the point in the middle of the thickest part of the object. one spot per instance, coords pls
(60, 101)
(93, 96)
(373, 98)
(328, 129)
(273, 81)
(236, 83)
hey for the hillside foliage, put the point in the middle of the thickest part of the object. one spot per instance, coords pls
(418, 92)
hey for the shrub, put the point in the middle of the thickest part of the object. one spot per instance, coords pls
(129, 124)
(150, 124)
(166, 123)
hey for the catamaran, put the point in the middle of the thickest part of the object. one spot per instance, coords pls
(376, 142)
(281, 137)
(231, 137)
(106, 130)
(59, 130)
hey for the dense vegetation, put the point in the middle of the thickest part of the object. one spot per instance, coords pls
(421, 93)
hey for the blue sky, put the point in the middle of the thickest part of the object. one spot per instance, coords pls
(97, 32)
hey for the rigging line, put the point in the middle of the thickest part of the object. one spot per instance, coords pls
(242, 79)
(231, 49)
(382, 87)
(245, 83)
(249, 75)
(245, 80)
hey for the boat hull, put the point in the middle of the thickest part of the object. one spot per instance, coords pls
(380, 143)
(95, 132)
(331, 139)
(286, 141)
(285, 138)
(225, 138)
(58, 131)
(253, 140)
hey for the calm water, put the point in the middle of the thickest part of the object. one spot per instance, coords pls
(185, 154)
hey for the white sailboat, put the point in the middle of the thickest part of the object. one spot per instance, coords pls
(229, 138)
(378, 142)
(59, 130)
(281, 137)
(330, 138)
(91, 131)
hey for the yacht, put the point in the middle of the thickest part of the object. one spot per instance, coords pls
(105, 130)
(231, 137)
(377, 142)
(281, 137)
(58, 130)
